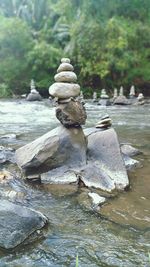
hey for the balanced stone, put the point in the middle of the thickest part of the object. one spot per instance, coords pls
(65, 67)
(71, 114)
(66, 76)
(104, 94)
(64, 90)
(65, 60)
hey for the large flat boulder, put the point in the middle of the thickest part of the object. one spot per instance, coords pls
(17, 223)
(105, 158)
(56, 148)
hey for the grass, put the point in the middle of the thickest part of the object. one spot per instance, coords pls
(77, 261)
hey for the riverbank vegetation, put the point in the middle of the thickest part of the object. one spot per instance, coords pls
(108, 42)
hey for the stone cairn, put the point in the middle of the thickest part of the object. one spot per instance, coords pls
(94, 97)
(115, 93)
(132, 92)
(104, 98)
(34, 94)
(104, 122)
(65, 91)
(121, 99)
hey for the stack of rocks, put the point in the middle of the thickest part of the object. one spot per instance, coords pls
(140, 99)
(69, 110)
(34, 94)
(115, 93)
(132, 92)
(121, 99)
(105, 122)
(94, 97)
(104, 99)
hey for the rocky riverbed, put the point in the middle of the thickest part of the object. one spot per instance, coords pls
(101, 236)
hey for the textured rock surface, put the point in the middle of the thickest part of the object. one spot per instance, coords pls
(104, 151)
(58, 147)
(66, 76)
(71, 114)
(64, 90)
(17, 223)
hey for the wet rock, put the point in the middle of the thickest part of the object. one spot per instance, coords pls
(65, 67)
(58, 147)
(64, 90)
(96, 199)
(61, 175)
(71, 114)
(129, 150)
(6, 155)
(94, 176)
(131, 163)
(66, 76)
(104, 102)
(17, 223)
(104, 151)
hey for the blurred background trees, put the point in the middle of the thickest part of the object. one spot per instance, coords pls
(108, 42)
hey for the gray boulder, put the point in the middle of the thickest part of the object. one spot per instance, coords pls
(129, 150)
(56, 148)
(104, 154)
(17, 223)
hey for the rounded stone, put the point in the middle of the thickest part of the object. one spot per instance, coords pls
(64, 90)
(65, 60)
(65, 67)
(66, 76)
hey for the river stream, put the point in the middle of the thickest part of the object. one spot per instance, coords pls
(118, 238)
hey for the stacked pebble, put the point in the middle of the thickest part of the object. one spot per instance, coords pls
(70, 111)
(104, 122)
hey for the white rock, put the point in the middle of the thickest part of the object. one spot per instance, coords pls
(96, 198)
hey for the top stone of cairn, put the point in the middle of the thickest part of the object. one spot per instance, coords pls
(65, 60)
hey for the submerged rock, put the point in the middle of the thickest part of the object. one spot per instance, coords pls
(17, 223)
(6, 154)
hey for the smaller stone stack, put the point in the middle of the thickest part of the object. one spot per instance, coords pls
(69, 111)
(94, 97)
(115, 93)
(140, 99)
(104, 99)
(132, 92)
(34, 94)
(104, 122)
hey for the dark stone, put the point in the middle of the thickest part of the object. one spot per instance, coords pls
(71, 114)
(17, 223)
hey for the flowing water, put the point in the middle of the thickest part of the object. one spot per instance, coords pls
(119, 237)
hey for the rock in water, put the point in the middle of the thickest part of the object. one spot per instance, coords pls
(104, 153)
(17, 223)
(56, 148)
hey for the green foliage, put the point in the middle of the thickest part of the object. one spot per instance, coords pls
(108, 42)
(4, 90)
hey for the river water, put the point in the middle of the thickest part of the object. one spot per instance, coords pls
(118, 237)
